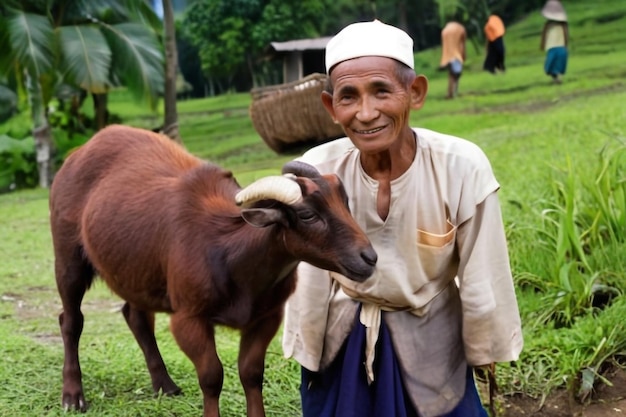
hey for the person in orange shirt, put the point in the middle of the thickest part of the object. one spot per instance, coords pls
(453, 37)
(494, 33)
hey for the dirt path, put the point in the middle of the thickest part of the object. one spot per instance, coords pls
(607, 402)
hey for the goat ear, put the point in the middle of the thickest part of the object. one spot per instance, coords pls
(263, 217)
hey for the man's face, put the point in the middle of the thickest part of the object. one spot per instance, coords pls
(368, 100)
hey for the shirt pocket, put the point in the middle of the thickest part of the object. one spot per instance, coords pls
(436, 252)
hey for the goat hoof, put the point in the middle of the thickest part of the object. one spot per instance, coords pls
(173, 392)
(75, 404)
(169, 392)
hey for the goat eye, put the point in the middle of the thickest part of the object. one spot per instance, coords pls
(307, 216)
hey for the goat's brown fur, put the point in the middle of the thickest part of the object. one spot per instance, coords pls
(161, 228)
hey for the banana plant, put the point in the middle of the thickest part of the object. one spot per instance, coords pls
(92, 44)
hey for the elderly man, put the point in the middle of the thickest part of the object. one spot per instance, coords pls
(441, 302)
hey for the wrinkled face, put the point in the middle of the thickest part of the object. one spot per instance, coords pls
(370, 102)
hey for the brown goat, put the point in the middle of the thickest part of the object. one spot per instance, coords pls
(164, 231)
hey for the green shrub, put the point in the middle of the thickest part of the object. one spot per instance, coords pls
(18, 167)
(8, 103)
(64, 144)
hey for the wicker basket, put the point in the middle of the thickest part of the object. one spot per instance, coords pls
(292, 114)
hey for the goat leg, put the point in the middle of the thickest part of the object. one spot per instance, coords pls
(141, 323)
(73, 276)
(196, 337)
(72, 397)
(251, 362)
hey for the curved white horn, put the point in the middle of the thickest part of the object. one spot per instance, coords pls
(276, 187)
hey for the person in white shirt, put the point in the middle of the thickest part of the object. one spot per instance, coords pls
(404, 342)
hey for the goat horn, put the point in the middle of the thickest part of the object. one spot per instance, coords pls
(276, 187)
(301, 169)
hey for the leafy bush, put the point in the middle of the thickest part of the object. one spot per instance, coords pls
(8, 103)
(18, 167)
(65, 143)
(18, 163)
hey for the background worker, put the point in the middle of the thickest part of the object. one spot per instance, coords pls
(554, 40)
(494, 34)
(453, 37)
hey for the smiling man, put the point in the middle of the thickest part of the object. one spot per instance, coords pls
(441, 303)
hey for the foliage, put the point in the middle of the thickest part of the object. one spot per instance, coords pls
(17, 166)
(232, 36)
(284, 20)
(93, 45)
(8, 103)
(90, 45)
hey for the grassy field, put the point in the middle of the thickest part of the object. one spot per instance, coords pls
(538, 137)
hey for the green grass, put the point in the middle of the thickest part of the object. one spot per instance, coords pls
(528, 128)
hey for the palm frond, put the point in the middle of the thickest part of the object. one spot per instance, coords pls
(6, 61)
(8, 102)
(86, 57)
(138, 59)
(142, 11)
(31, 41)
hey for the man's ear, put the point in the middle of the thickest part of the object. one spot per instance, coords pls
(419, 89)
(327, 101)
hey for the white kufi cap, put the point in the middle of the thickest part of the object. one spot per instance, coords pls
(370, 39)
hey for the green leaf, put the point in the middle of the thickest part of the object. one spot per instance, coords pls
(138, 59)
(8, 102)
(9, 144)
(86, 57)
(32, 41)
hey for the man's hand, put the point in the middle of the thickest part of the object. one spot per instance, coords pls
(483, 372)
(486, 374)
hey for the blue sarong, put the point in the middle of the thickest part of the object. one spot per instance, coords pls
(342, 390)
(556, 61)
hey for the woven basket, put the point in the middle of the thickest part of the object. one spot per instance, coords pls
(292, 114)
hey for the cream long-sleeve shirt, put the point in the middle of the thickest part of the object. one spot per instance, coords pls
(444, 223)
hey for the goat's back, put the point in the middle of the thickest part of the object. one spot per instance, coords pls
(126, 152)
(118, 163)
(119, 198)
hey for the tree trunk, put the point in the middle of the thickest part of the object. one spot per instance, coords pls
(42, 133)
(100, 107)
(170, 123)
(403, 22)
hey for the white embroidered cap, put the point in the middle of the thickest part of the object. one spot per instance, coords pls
(373, 38)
